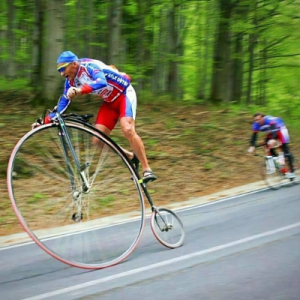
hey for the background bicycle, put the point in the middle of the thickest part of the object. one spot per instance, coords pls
(275, 170)
(87, 201)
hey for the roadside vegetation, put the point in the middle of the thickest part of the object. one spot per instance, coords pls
(195, 149)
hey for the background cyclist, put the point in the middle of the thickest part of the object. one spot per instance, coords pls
(275, 129)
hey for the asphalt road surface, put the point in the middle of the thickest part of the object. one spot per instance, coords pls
(244, 248)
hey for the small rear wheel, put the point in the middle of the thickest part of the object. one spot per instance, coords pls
(167, 227)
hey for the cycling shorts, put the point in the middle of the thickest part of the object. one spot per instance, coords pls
(282, 135)
(124, 106)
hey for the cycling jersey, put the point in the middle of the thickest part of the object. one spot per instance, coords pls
(267, 126)
(274, 127)
(95, 77)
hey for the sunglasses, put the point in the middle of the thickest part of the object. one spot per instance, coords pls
(63, 67)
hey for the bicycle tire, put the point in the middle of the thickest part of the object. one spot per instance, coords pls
(165, 231)
(273, 180)
(41, 190)
(296, 180)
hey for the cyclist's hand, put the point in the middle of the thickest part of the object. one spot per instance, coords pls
(251, 150)
(272, 143)
(40, 122)
(35, 125)
(72, 92)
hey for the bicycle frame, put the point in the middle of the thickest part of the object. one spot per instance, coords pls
(66, 143)
(64, 133)
(66, 157)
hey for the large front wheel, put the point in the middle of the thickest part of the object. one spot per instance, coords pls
(92, 224)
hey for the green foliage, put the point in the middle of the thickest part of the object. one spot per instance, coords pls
(37, 197)
(20, 84)
(208, 166)
(170, 123)
(275, 25)
(106, 201)
(152, 142)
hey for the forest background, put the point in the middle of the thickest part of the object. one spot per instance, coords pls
(200, 69)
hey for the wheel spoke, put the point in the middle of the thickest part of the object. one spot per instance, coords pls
(84, 228)
(167, 228)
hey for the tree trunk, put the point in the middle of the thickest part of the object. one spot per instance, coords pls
(180, 51)
(251, 67)
(158, 79)
(252, 43)
(77, 40)
(115, 21)
(2, 49)
(201, 94)
(238, 68)
(265, 79)
(162, 67)
(11, 65)
(90, 28)
(66, 15)
(141, 45)
(172, 77)
(101, 33)
(52, 83)
(220, 88)
(37, 45)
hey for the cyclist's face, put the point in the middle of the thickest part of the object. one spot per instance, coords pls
(259, 120)
(68, 70)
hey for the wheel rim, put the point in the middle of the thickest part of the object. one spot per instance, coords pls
(296, 171)
(167, 228)
(93, 229)
(273, 179)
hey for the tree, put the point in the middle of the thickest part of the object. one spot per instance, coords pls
(114, 28)
(11, 69)
(222, 76)
(37, 45)
(52, 83)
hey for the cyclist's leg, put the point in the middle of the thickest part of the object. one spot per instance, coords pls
(127, 121)
(270, 151)
(284, 138)
(106, 120)
(288, 155)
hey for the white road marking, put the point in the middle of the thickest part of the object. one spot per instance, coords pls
(194, 206)
(163, 263)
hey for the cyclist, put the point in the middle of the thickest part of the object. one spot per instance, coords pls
(89, 76)
(275, 129)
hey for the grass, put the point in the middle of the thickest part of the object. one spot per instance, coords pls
(170, 123)
(186, 149)
(106, 201)
(152, 142)
(208, 166)
(36, 198)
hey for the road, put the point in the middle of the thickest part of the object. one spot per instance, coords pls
(241, 248)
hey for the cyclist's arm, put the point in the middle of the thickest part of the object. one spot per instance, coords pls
(253, 138)
(98, 77)
(255, 128)
(63, 103)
